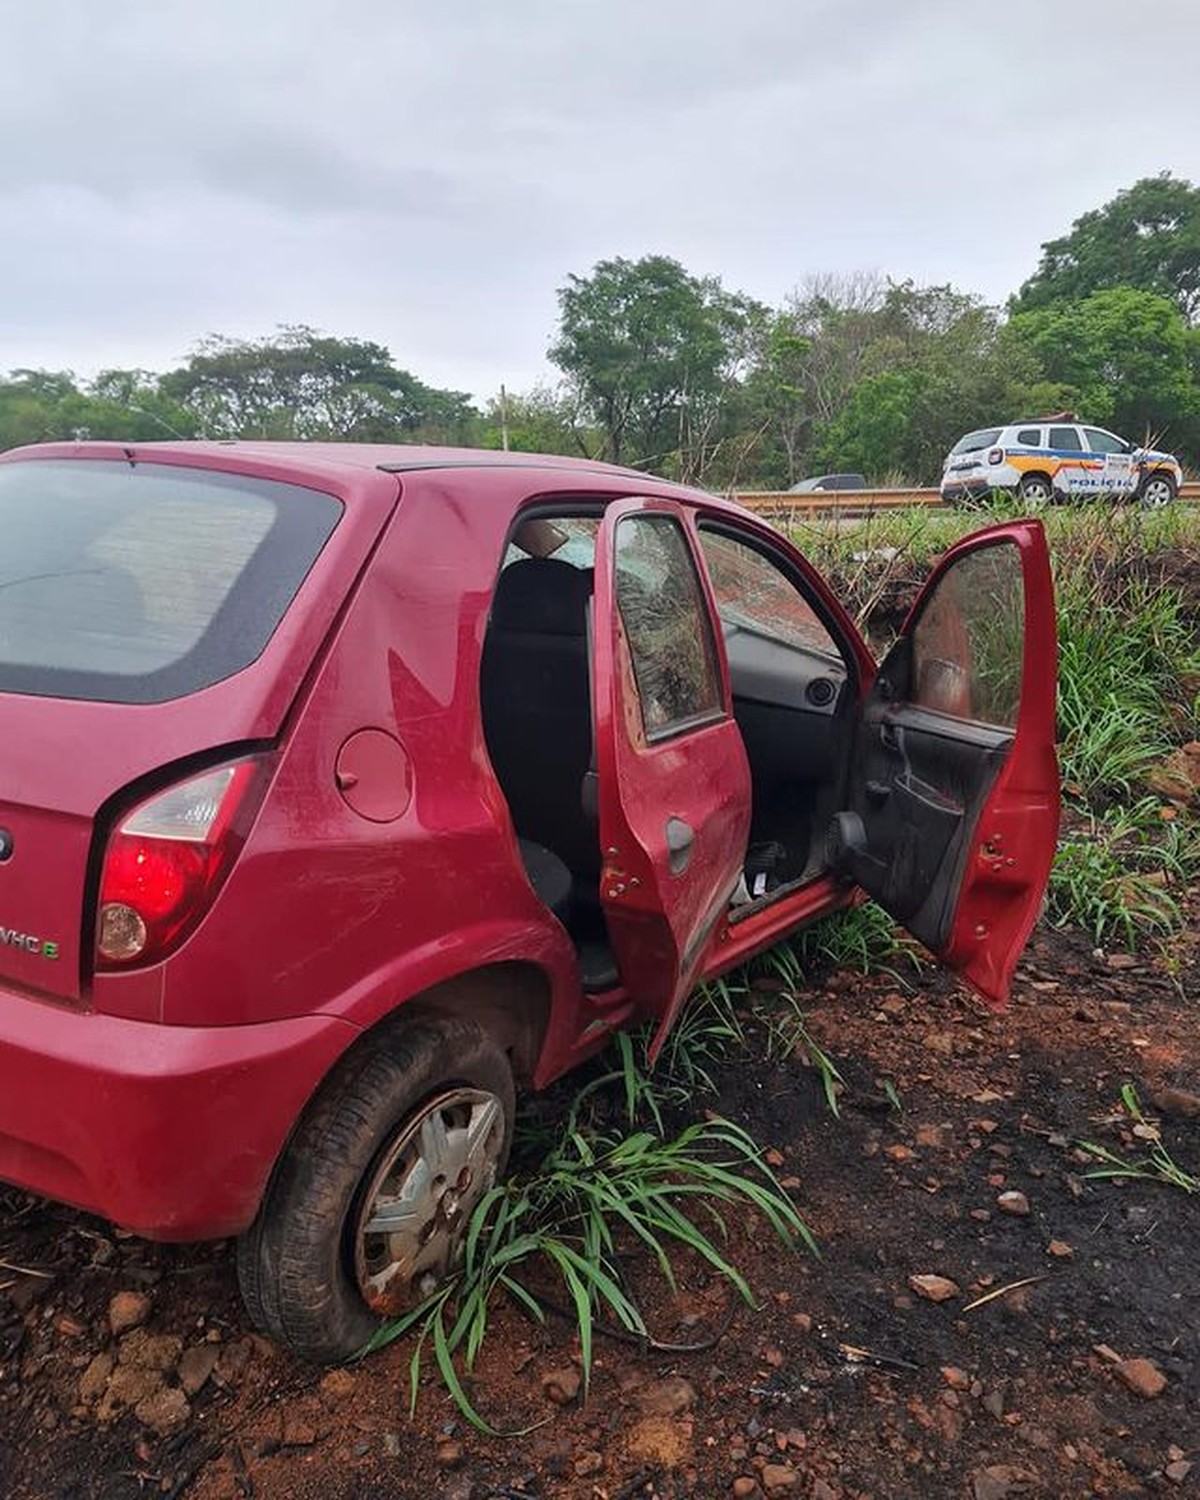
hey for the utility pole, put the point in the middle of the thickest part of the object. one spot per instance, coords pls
(503, 417)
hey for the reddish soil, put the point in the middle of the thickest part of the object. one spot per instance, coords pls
(1017, 1395)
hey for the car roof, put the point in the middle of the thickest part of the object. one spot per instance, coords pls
(392, 458)
(343, 467)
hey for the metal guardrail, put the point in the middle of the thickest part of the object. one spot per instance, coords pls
(787, 502)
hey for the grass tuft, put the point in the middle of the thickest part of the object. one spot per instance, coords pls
(863, 938)
(1117, 873)
(557, 1238)
(1155, 1165)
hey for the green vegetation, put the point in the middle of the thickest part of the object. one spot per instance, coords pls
(1125, 357)
(1116, 874)
(1126, 651)
(631, 1175)
(1129, 669)
(653, 355)
(864, 939)
(613, 1182)
(681, 375)
(1156, 1164)
(1148, 237)
(300, 384)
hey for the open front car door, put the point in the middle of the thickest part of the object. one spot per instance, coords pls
(952, 805)
(674, 783)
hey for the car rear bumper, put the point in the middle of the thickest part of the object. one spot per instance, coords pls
(168, 1131)
(966, 489)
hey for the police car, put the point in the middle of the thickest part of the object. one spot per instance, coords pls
(1058, 458)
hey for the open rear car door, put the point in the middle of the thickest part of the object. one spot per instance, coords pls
(951, 813)
(674, 782)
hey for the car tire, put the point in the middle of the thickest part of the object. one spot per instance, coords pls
(1036, 491)
(416, 1120)
(1157, 490)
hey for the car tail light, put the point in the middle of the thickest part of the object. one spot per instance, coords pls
(165, 862)
(995, 455)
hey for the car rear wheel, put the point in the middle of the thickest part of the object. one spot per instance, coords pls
(367, 1208)
(1035, 491)
(1157, 490)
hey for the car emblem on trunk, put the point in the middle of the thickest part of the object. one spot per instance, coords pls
(27, 942)
(6, 845)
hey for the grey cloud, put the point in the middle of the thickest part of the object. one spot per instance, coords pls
(428, 173)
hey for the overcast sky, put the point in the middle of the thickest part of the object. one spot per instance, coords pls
(427, 174)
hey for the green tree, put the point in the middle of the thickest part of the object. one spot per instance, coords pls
(873, 432)
(136, 402)
(29, 406)
(1147, 237)
(776, 417)
(654, 355)
(38, 406)
(884, 376)
(1124, 357)
(541, 420)
(835, 327)
(305, 384)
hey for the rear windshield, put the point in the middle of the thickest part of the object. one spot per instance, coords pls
(985, 438)
(135, 583)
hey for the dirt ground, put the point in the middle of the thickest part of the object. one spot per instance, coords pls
(846, 1381)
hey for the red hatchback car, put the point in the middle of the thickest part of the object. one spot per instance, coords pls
(343, 786)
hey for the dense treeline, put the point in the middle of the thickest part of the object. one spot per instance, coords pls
(676, 373)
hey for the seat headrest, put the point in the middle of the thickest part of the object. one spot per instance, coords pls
(541, 596)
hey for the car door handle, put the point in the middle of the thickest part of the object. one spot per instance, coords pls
(680, 837)
(889, 737)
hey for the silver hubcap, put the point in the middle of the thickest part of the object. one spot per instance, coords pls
(409, 1232)
(1157, 492)
(1036, 494)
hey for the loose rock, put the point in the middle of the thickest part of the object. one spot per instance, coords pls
(667, 1398)
(128, 1385)
(1142, 1377)
(1013, 1203)
(934, 1288)
(562, 1386)
(449, 1454)
(196, 1365)
(165, 1411)
(149, 1351)
(95, 1377)
(779, 1479)
(337, 1385)
(996, 1482)
(128, 1310)
(1178, 1103)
